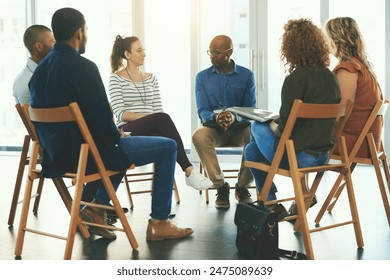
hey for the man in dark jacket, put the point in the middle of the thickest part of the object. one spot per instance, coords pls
(64, 76)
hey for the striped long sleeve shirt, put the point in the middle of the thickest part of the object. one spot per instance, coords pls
(139, 97)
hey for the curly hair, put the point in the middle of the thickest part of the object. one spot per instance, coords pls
(303, 45)
(347, 40)
(121, 45)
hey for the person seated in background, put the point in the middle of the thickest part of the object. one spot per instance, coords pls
(224, 84)
(38, 40)
(136, 102)
(64, 76)
(306, 56)
(357, 81)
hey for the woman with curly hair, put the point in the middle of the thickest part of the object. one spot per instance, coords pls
(357, 80)
(306, 56)
(136, 102)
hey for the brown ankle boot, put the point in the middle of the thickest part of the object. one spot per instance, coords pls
(164, 229)
(97, 216)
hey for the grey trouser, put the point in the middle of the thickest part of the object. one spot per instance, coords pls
(206, 139)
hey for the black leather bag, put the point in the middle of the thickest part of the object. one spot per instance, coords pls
(258, 233)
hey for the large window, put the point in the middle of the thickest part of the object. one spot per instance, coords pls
(176, 35)
(230, 18)
(105, 19)
(275, 70)
(168, 48)
(370, 16)
(12, 60)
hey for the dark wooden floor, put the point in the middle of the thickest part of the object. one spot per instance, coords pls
(214, 230)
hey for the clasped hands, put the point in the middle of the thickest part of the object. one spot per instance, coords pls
(225, 119)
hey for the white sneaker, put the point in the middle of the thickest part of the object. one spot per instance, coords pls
(198, 181)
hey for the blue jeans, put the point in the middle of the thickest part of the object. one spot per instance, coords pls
(142, 150)
(262, 148)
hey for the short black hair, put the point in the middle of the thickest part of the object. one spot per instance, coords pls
(34, 33)
(65, 22)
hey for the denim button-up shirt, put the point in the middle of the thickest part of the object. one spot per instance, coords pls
(215, 90)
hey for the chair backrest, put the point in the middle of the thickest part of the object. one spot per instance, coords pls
(379, 109)
(22, 111)
(339, 112)
(71, 113)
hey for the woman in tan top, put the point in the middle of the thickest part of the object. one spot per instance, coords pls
(357, 80)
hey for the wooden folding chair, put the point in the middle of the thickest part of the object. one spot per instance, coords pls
(71, 113)
(376, 158)
(135, 178)
(23, 162)
(302, 196)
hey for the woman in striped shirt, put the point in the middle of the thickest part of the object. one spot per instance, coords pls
(136, 102)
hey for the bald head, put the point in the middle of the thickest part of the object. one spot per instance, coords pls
(221, 42)
(220, 50)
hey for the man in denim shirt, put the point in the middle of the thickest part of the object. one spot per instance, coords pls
(224, 84)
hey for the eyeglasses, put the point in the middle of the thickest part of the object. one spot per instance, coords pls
(216, 52)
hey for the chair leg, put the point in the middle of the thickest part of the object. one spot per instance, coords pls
(339, 189)
(206, 191)
(376, 163)
(19, 178)
(26, 201)
(125, 223)
(128, 192)
(38, 195)
(351, 195)
(299, 200)
(333, 196)
(354, 212)
(75, 211)
(119, 212)
(67, 199)
(176, 192)
(24, 217)
(327, 201)
(74, 220)
(307, 196)
(385, 167)
(382, 190)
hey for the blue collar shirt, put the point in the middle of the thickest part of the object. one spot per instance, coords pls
(216, 90)
(21, 91)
